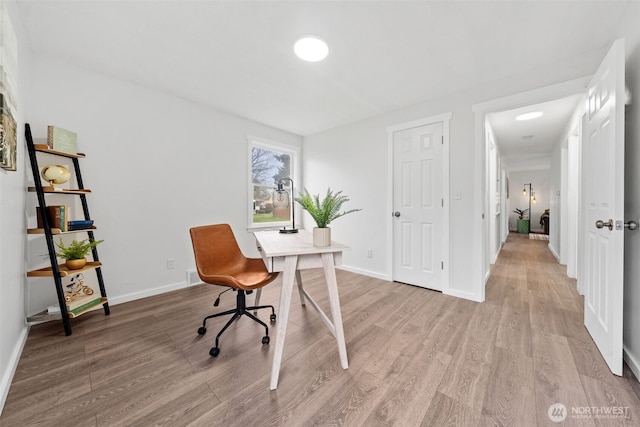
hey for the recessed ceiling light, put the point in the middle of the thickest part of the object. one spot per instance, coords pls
(530, 115)
(311, 48)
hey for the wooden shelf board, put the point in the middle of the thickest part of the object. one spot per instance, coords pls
(44, 316)
(44, 148)
(48, 190)
(57, 230)
(64, 271)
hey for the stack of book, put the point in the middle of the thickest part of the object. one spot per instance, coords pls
(82, 303)
(57, 216)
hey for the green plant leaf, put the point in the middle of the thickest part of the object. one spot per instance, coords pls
(326, 210)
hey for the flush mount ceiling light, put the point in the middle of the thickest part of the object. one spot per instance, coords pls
(311, 48)
(530, 115)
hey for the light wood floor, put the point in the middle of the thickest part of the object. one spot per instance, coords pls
(416, 357)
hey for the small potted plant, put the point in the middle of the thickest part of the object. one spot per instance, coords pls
(323, 212)
(75, 254)
(523, 224)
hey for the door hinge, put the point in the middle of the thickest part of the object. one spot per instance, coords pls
(441, 265)
(442, 202)
(442, 140)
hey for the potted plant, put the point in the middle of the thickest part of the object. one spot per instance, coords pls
(75, 254)
(323, 212)
(523, 224)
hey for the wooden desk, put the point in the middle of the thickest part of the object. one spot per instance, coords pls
(290, 253)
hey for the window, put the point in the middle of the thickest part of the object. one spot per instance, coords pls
(269, 164)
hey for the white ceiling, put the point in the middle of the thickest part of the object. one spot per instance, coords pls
(525, 145)
(384, 55)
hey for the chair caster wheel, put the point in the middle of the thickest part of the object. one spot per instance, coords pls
(202, 330)
(215, 351)
(272, 318)
(265, 339)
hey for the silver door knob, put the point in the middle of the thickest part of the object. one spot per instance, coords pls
(396, 214)
(601, 224)
(631, 225)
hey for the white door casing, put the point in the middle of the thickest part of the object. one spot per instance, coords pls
(603, 183)
(418, 205)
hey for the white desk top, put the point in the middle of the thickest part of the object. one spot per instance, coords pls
(276, 244)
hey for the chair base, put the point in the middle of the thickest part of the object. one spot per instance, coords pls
(240, 310)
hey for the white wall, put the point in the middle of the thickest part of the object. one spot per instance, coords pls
(13, 331)
(632, 194)
(354, 158)
(157, 165)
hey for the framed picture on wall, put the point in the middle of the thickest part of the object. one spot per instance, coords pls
(8, 92)
(8, 136)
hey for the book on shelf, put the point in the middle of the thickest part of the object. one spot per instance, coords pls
(57, 215)
(62, 140)
(83, 302)
(80, 224)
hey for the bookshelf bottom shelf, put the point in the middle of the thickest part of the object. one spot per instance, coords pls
(44, 316)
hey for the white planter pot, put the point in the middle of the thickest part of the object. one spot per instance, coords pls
(321, 237)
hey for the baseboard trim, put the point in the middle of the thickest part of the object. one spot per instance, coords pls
(7, 378)
(631, 362)
(553, 251)
(462, 294)
(364, 272)
(121, 299)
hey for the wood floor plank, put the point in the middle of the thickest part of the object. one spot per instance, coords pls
(514, 328)
(510, 396)
(446, 411)
(607, 404)
(556, 376)
(468, 373)
(411, 389)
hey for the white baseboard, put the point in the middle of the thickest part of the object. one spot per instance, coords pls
(365, 272)
(12, 365)
(147, 293)
(632, 363)
(462, 294)
(553, 251)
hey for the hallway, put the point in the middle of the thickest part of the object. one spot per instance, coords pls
(542, 320)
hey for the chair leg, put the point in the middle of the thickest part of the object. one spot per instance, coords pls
(241, 309)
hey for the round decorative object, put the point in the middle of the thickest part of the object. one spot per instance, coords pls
(75, 264)
(55, 174)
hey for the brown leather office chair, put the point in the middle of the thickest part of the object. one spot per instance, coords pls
(220, 261)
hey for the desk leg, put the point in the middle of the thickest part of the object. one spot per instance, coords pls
(288, 277)
(334, 302)
(299, 281)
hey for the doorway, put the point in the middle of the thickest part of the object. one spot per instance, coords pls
(515, 104)
(420, 203)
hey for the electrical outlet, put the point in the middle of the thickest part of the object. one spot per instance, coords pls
(369, 253)
(171, 263)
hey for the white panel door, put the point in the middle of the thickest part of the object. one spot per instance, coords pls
(417, 199)
(603, 173)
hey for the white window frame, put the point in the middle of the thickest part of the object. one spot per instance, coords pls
(294, 152)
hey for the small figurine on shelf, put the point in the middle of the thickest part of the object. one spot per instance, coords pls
(77, 287)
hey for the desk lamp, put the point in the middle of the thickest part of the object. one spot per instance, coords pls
(280, 189)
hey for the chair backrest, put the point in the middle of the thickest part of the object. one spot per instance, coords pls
(216, 250)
